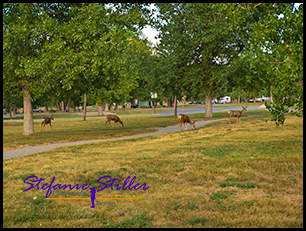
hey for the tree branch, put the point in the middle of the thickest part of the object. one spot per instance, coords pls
(59, 12)
(112, 13)
(256, 5)
(179, 10)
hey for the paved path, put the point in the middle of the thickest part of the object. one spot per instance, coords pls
(41, 148)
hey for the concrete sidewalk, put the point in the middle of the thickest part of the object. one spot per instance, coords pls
(41, 148)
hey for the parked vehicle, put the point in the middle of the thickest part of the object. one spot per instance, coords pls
(132, 105)
(145, 104)
(225, 99)
(4, 112)
(263, 99)
(195, 102)
(251, 100)
(38, 110)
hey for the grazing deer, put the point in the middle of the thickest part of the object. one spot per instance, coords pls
(237, 114)
(114, 118)
(183, 119)
(46, 121)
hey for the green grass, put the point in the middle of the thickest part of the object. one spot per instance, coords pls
(240, 175)
(68, 127)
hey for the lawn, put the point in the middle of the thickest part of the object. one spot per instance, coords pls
(240, 175)
(68, 127)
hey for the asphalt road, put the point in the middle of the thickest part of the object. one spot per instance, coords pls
(202, 110)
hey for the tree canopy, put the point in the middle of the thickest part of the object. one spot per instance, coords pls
(65, 50)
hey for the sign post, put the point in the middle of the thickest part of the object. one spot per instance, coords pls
(153, 96)
(185, 96)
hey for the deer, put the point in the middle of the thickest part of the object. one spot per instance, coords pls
(46, 121)
(183, 119)
(237, 114)
(114, 118)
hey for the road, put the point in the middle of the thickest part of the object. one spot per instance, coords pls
(182, 111)
(202, 110)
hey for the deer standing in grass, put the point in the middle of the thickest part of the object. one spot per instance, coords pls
(46, 121)
(237, 114)
(114, 118)
(183, 119)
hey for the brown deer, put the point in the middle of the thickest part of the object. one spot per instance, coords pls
(114, 118)
(183, 119)
(237, 114)
(46, 121)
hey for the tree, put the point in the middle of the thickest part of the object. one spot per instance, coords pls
(199, 36)
(273, 36)
(25, 29)
(83, 52)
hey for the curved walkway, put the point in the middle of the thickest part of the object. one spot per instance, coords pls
(41, 148)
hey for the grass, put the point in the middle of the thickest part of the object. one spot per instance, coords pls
(68, 127)
(240, 175)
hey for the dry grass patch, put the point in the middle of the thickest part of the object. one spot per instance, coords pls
(245, 175)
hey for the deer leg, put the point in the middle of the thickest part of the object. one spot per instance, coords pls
(237, 119)
(106, 124)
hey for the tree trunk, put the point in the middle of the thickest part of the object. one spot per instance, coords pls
(106, 107)
(68, 104)
(85, 102)
(63, 106)
(101, 107)
(175, 107)
(239, 97)
(170, 102)
(271, 96)
(116, 106)
(28, 124)
(47, 107)
(128, 105)
(59, 108)
(208, 104)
